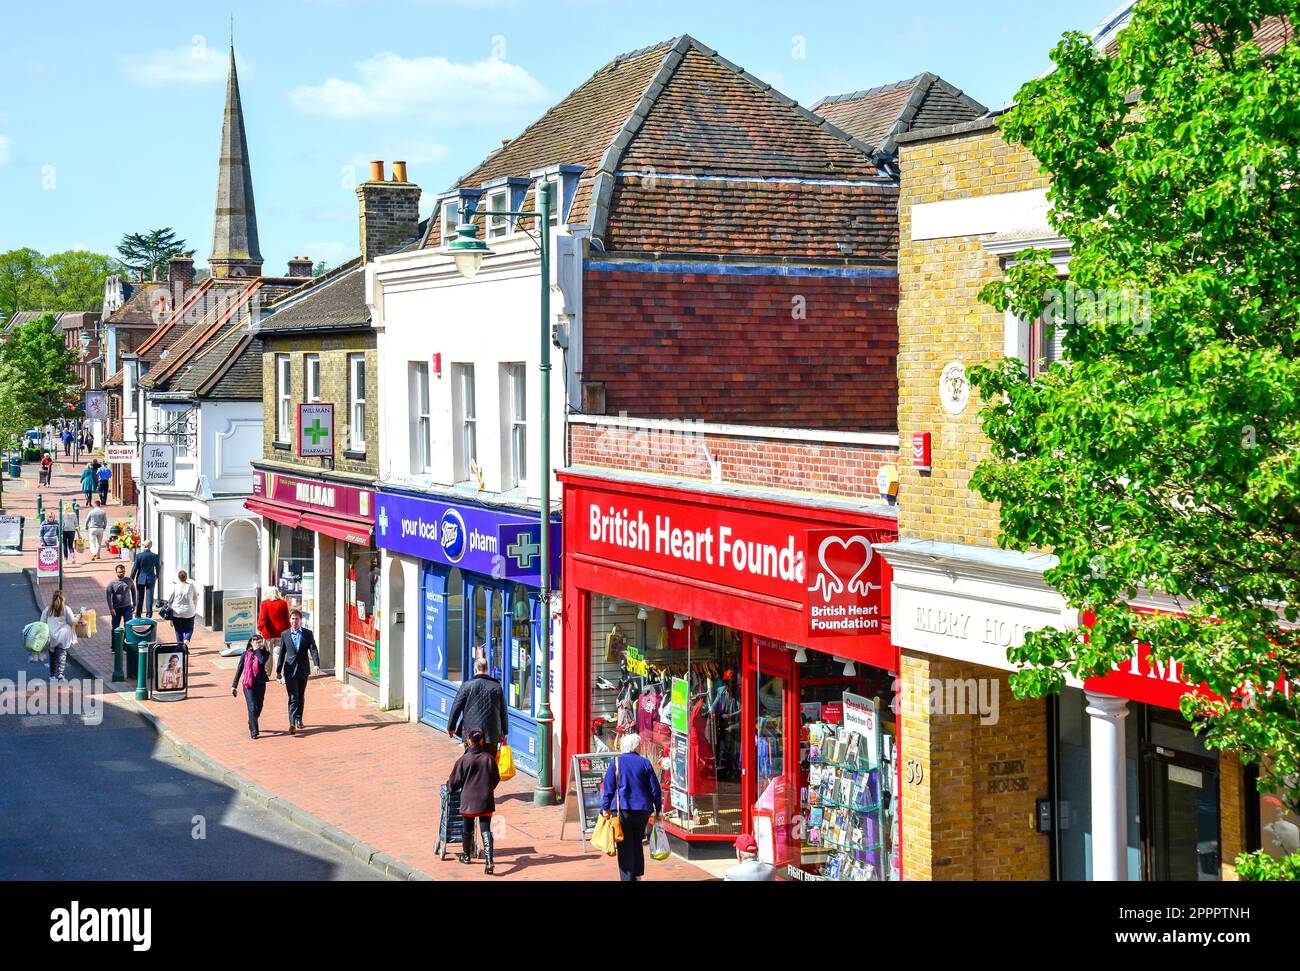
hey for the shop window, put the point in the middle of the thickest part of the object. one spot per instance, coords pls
(292, 559)
(421, 460)
(455, 626)
(356, 402)
(639, 656)
(283, 399)
(521, 650)
(311, 378)
(844, 774)
(361, 639)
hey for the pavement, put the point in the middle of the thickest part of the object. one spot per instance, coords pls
(93, 793)
(361, 778)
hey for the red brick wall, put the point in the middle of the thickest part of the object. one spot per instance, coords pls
(795, 352)
(811, 467)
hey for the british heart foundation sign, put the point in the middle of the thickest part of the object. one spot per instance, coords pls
(844, 583)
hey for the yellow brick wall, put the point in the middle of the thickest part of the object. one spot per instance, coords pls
(940, 320)
(954, 828)
(334, 351)
(1233, 802)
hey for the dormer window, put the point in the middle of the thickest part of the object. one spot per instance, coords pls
(564, 186)
(452, 206)
(450, 220)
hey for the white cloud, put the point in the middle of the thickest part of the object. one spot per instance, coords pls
(416, 152)
(193, 63)
(433, 88)
(6, 151)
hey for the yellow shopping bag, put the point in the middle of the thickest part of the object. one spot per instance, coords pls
(88, 616)
(505, 762)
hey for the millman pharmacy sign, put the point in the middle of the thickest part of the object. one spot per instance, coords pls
(316, 430)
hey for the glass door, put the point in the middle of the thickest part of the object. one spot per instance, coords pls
(772, 746)
(1181, 818)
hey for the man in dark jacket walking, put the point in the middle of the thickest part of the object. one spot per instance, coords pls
(480, 703)
(296, 644)
(145, 574)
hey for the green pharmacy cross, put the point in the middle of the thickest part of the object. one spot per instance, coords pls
(316, 431)
(523, 550)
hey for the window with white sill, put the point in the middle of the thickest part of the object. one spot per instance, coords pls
(356, 402)
(465, 422)
(283, 399)
(514, 425)
(421, 457)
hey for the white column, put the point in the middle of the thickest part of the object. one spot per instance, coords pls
(1109, 787)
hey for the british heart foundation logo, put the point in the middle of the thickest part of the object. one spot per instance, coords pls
(844, 593)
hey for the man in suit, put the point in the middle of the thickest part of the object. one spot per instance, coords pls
(145, 575)
(291, 667)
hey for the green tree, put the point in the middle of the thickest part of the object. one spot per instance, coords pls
(15, 414)
(149, 252)
(23, 283)
(1165, 454)
(76, 279)
(46, 382)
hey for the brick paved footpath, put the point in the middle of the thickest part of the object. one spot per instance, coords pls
(370, 773)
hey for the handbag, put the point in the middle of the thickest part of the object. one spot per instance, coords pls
(165, 611)
(609, 829)
(505, 762)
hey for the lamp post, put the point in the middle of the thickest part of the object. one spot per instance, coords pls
(468, 252)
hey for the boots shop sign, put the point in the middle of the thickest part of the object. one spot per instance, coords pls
(773, 550)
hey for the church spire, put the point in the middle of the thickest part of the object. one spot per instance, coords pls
(235, 251)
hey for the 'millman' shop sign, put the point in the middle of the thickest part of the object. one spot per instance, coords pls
(505, 545)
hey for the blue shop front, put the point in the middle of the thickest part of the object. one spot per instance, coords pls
(479, 569)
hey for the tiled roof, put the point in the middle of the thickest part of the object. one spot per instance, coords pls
(24, 317)
(141, 306)
(879, 115)
(241, 376)
(724, 148)
(337, 302)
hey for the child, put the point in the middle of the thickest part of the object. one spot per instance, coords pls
(475, 775)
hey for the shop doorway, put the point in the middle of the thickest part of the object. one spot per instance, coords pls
(1180, 829)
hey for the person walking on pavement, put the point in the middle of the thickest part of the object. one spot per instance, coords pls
(476, 775)
(252, 672)
(103, 476)
(296, 644)
(96, 525)
(88, 481)
(90, 440)
(67, 442)
(480, 703)
(69, 526)
(184, 604)
(145, 575)
(121, 597)
(273, 616)
(47, 467)
(58, 616)
(632, 787)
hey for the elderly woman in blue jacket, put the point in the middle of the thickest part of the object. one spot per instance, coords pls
(632, 788)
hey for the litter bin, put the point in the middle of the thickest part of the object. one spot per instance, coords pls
(140, 629)
(15, 466)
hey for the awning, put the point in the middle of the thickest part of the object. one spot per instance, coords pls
(272, 510)
(348, 530)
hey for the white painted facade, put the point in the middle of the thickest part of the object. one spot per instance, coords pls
(423, 308)
(199, 523)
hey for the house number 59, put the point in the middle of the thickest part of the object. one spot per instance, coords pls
(915, 772)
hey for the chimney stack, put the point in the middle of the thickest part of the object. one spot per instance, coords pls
(300, 266)
(390, 211)
(180, 276)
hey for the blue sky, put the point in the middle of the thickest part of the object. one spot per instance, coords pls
(110, 115)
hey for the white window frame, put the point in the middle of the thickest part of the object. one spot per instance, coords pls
(514, 424)
(421, 450)
(311, 378)
(128, 388)
(498, 227)
(283, 398)
(356, 403)
(450, 220)
(465, 417)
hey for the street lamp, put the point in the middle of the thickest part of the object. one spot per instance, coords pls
(468, 252)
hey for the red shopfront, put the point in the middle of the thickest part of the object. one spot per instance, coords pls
(299, 510)
(737, 636)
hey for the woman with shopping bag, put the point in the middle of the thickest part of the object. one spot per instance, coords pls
(63, 633)
(475, 776)
(632, 788)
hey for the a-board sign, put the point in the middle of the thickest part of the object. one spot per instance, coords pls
(586, 781)
(11, 532)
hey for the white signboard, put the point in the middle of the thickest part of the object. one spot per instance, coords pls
(316, 429)
(861, 718)
(118, 454)
(158, 465)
